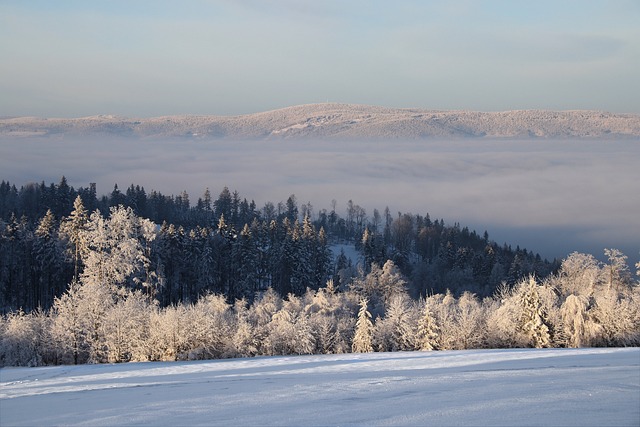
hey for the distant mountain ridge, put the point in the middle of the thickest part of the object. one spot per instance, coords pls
(347, 121)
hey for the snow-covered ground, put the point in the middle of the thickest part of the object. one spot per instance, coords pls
(551, 387)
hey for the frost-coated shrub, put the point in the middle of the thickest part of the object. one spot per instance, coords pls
(23, 339)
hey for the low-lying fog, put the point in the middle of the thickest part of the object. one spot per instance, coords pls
(552, 197)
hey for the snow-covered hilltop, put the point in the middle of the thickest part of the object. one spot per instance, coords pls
(343, 121)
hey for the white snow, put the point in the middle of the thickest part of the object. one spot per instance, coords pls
(569, 387)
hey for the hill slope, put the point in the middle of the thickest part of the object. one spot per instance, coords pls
(342, 121)
(518, 387)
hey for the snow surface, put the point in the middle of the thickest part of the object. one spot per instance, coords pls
(568, 387)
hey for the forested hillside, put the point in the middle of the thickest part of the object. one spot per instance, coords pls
(131, 276)
(228, 246)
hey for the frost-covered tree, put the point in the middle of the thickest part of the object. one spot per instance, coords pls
(324, 332)
(503, 317)
(392, 282)
(331, 317)
(168, 333)
(363, 337)
(210, 327)
(243, 342)
(618, 315)
(260, 315)
(367, 286)
(114, 257)
(428, 330)
(117, 248)
(470, 322)
(396, 331)
(23, 338)
(126, 327)
(445, 312)
(149, 280)
(576, 325)
(617, 270)
(68, 327)
(288, 333)
(579, 275)
(73, 227)
(380, 285)
(532, 321)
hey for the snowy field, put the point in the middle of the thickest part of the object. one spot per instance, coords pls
(551, 387)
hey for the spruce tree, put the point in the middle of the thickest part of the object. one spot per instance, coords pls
(48, 261)
(363, 338)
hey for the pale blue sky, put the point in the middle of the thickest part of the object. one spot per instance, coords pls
(149, 57)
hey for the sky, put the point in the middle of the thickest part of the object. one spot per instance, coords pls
(516, 387)
(150, 58)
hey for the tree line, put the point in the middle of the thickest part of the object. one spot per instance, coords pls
(230, 247)
(91, 286)
(586, 303)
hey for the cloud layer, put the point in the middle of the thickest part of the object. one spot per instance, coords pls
(552, 197)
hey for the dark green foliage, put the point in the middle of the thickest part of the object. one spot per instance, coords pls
(228, 246)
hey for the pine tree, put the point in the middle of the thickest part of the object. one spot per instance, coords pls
(363, 337)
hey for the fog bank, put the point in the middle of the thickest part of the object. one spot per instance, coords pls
(550, 196)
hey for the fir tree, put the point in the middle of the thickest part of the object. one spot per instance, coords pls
(363, 337)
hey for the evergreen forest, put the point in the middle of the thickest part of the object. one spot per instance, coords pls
(131, 276)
